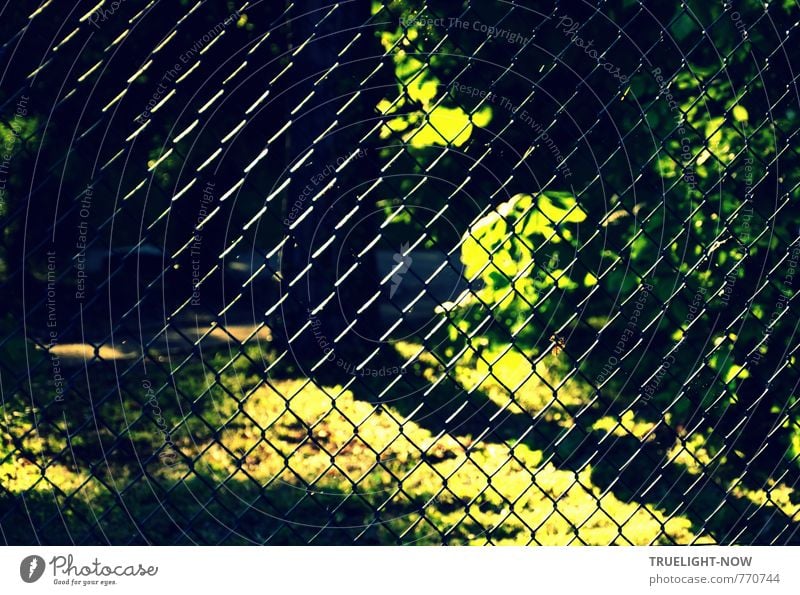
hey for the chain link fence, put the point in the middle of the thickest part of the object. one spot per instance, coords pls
(399, 272)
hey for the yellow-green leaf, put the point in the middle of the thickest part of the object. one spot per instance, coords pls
(482, 117)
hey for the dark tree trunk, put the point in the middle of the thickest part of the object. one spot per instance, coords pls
(308, 288)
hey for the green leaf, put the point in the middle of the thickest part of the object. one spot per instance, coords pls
(482, 117)
(423, 92)
(735, 370)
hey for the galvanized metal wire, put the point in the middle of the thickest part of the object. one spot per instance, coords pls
(398, 273)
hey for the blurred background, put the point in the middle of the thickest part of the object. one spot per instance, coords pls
(399, 272)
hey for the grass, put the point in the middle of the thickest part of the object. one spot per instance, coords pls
(288, 461)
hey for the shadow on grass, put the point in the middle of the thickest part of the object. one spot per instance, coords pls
(634, 469)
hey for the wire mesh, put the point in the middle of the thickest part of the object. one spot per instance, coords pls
(399, 273)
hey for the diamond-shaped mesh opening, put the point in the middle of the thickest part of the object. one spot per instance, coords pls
(399, 272)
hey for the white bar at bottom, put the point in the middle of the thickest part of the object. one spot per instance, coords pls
(401, 570)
